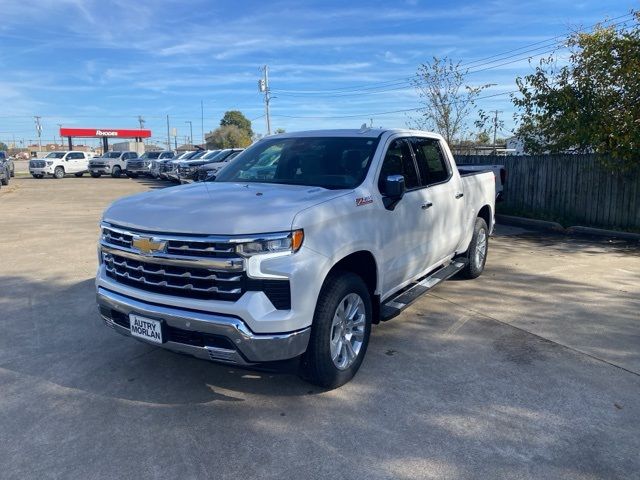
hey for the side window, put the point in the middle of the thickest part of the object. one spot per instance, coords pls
(399, 161)
(133, 155)
(433, 166)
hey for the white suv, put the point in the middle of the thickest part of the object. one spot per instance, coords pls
(58, 164)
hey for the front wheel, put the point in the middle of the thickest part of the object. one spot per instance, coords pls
(340, 331)
(37, 175)
(58, 172)
(5, 180)
(477, 252)
(95, 174)
(79, 174)
(116, 172)
(132, 175)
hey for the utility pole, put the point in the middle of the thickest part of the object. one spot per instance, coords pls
(495, 128)
(61, 139)
(263, 87)
(190, 131)
(202, 120)
(39, 132)
(141, 121)
(168, 135)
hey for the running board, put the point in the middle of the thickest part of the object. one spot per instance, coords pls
(394, 306)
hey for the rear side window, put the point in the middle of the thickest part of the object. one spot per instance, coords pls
(432, 165)
(399, 161)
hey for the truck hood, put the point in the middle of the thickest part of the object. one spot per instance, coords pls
(217, 208)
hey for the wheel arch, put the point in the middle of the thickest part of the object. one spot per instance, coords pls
(487, 215)
(363, 264)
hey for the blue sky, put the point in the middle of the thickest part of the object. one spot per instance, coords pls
(103, 63)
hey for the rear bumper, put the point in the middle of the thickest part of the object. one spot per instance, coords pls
(231, 341)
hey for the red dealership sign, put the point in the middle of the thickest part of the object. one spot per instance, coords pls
(105, 132)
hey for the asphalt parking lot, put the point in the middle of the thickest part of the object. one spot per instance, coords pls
(530, 371)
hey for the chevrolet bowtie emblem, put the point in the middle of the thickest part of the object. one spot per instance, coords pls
(148, 245)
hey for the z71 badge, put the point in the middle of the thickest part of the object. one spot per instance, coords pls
(363, 201)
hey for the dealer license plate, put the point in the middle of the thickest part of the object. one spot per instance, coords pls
(145, 328)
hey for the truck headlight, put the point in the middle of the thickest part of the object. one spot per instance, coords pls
(49, 164)
(272, 243)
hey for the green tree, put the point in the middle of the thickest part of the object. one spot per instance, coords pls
(235, 117)
(592, 104)
(279, 130)
(447, 101)
(3, 147)
(228, 136)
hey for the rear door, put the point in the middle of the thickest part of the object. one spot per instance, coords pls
(73, 162)
(442, 192)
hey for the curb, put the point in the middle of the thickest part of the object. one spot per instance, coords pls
(577, 230)
(531, 223)
(557, 228)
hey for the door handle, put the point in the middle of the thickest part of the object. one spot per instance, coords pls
(427, 205)
(459, 195)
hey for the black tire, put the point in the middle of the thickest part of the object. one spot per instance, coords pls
(475, 262)
(96, 174)
(13, 172)
(79, 174)
(58, 173)
(317, 365)
(5, 179)
(116, 172)
(132, 175)
(37, 175)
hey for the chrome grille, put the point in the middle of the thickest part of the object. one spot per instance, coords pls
(203, 267)
(175, 246)
(135, 164)
(37, 163)
(172, 280)
(96, 164)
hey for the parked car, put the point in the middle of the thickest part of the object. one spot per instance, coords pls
(499, 173)
(111, 163)
(164, 167)
(143, 165)
(7, 168)
(173, 173)
(58, 164)
(210, 169)
(348, 229)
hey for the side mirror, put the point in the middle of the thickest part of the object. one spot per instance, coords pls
(394, 186)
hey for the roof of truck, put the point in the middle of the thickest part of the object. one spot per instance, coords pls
(352, 132)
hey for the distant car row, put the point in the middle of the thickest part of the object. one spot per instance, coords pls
(190, 166)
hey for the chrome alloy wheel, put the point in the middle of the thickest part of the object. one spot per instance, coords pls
(481, 248)
(347, 331)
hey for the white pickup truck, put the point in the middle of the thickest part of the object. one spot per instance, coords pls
(299, 246)
(58, 164)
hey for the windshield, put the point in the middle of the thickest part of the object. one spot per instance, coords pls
(55, 155)
(150, 155)
(212, 154)
(199, 154)
(328, 162)
(112, 155)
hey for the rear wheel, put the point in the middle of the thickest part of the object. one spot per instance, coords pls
(96, 174)
(5, 179)
(116, 172)
(477, 252)
(58, 172)
(340, 331)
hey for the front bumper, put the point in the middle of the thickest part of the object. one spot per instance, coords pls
(104, 170)
(40, 171)
(227, 339)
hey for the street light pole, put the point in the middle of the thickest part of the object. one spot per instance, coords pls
(190, 131)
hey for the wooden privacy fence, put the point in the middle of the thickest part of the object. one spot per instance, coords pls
(569, 188)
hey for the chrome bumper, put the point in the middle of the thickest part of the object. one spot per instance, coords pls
(250, 348)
